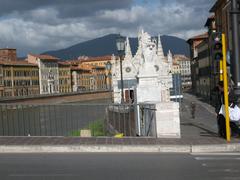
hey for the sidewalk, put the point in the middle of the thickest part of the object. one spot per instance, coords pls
(197, 135)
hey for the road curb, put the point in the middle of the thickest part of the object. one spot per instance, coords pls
(216, 148)
(119, 148)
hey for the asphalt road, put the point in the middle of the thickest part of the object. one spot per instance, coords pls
(119, 167)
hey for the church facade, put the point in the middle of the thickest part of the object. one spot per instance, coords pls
(147, 76)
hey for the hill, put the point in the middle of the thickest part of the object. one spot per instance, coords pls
(106, 45)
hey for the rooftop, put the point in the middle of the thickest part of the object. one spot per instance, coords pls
(8, 49)
(209, 20)
(180, 57)
(198, 37)
(217, 4)
(64, 63)
(99, 58)
(45, 57)
(17, 63)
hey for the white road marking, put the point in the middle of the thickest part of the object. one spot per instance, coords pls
(220, 163)
(216, 154)
(41, 175)
(232, 178)
(224, 170)
(216, 158)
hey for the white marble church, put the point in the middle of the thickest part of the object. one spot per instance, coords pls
(147, 79)
(147, 75)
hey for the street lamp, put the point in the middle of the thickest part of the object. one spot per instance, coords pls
(120, 42)
(108, 67)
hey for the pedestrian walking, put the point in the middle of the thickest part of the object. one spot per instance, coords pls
(193, 109)
(219, 108)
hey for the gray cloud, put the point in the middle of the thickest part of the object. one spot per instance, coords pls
(36, 26)
(66, 8)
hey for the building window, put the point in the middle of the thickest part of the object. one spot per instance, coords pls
(7, 83)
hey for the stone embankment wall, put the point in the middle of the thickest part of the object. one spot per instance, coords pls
(57, 99)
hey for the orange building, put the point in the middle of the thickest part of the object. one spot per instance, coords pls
(8, 54)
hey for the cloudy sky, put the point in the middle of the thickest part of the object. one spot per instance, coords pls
(39, 25)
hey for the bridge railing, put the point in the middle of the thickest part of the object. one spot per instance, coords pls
(51, 120)
(132, 119)
(42, 96)
(70, 119)
(121, 119)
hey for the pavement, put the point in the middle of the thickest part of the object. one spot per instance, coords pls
(198, 135)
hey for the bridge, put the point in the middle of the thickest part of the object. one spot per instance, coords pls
(60, 98)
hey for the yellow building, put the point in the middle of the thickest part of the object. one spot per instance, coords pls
(20, 78)
(98, 79)
(184, 66)
(176, 67)
(89, 74)
(64, 70)
(81, 75)
(103, 75)
(1, 81)
(99, 61)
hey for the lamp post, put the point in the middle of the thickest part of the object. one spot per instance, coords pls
(235, 65)
(108, 67)
(120, 42)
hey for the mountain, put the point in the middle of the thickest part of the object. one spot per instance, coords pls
(106, 45)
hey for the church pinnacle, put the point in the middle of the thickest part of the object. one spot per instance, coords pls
(170, 57)
(128, 52)
(159, 48)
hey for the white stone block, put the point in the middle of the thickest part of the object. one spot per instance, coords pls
(168, 120)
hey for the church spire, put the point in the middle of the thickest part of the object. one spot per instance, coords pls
(128, 52)
(159, 48)
(170, 57)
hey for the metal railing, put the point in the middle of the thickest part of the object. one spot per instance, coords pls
(121, 119)
(148, 120)
(70, 119)
(132, 120)
(51, 120)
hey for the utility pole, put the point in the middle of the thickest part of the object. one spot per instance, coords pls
(235, 62)
(225, 84)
